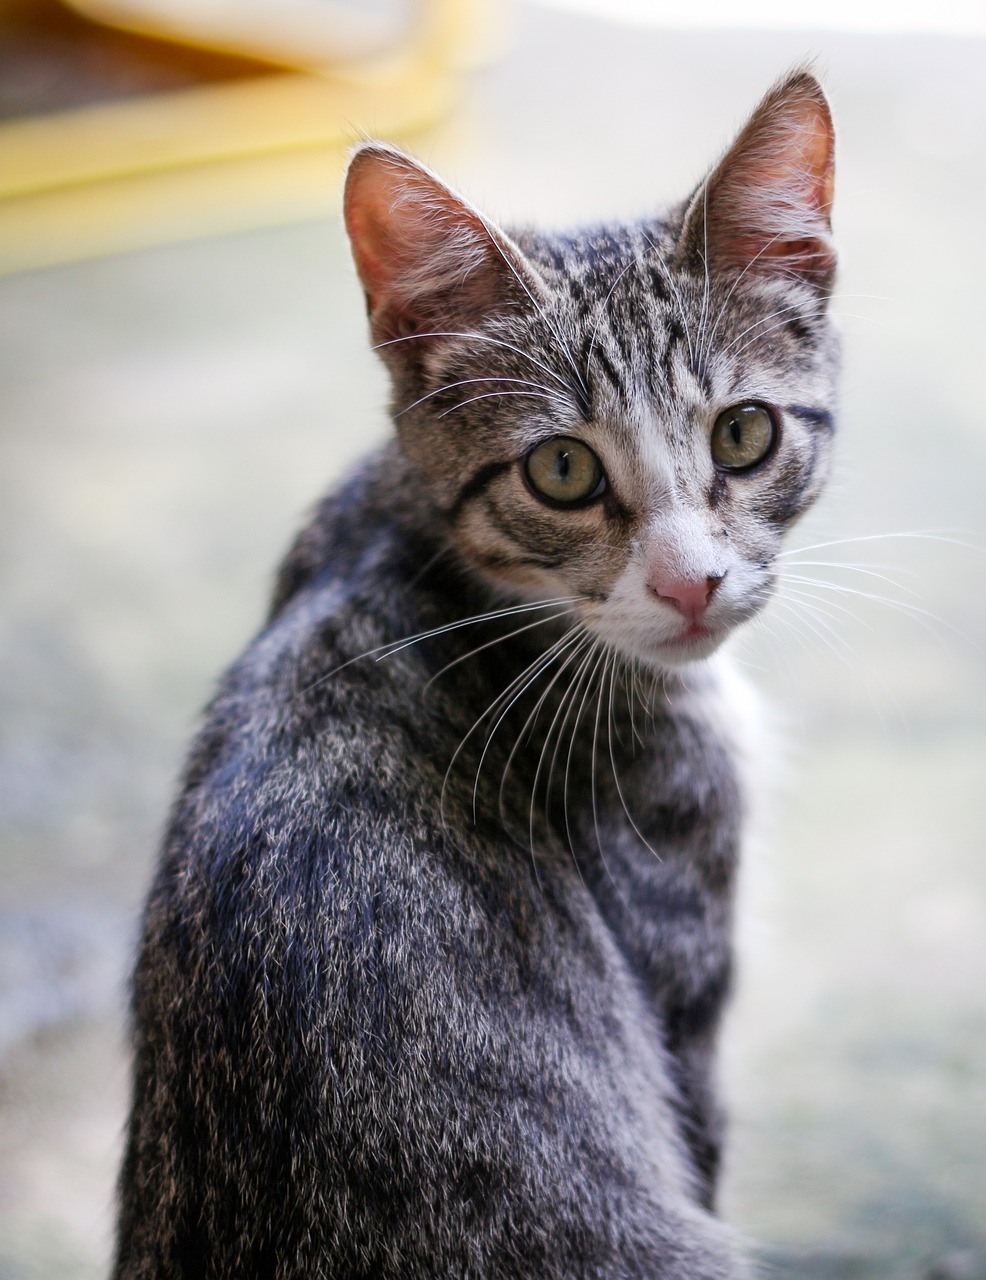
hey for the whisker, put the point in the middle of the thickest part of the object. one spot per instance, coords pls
(382, 651)
(592, 764)
(537, 305)
(488, 644)
(491, 395)
(833, 605)
(429, 564)
(564, 710)
(809, 615)
(586, 677)
(396, 646)
(473, 336)
(763, 319)
(579, 638)
(764, 625)
(824, 611)
(612, 762)
(463, 382)
(580, 645)
(931, 535)
(721, 312)
(631, 677)
(836, 643)
(586, 647)
(780, 311)
(871, 567)
(913, 611)
(535, 669)
(813, 641)
(532, 668)
(563, 348)
(762, 334)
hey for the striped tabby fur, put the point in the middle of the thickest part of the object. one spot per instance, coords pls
(435, 956)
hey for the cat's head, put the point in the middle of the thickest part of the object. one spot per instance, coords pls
(631, 415)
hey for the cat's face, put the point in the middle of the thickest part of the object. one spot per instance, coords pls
(628, 418)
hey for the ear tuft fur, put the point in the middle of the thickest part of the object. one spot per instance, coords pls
(428, 261)
(766, 207)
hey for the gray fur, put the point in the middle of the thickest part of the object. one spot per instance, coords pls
(435, 956)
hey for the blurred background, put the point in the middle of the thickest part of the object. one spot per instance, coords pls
(184, 368)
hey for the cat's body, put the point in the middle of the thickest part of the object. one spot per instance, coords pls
(434, 961)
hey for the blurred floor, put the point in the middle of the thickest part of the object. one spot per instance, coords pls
(169, 416)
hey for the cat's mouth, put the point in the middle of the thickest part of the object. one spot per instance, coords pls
(697, 639)
(692, 643)
(657, 642)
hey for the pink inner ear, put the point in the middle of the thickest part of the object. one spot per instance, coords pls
(367, 200)
(767, 205)
(425, 258)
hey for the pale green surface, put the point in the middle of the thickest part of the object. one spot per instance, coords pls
(167, 418)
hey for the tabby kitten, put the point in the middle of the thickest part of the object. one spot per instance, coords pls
(434, 959)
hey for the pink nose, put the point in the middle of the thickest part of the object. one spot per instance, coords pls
(690, 598)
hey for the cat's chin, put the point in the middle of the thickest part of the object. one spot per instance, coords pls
(693, 645)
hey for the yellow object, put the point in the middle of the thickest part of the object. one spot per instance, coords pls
(294, 33)
(242, 153)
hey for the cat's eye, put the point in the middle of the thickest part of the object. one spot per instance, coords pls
(564, 471)
(742, 436)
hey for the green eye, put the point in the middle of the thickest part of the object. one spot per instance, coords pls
(564, 471)
(742, 436)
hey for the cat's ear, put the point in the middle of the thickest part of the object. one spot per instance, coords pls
(766, 206)
(428, 261)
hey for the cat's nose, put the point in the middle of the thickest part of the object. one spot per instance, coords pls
(690, 598)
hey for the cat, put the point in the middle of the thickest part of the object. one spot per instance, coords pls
(435, 955)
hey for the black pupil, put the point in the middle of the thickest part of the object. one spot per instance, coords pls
(736, 431)
(564, 464)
